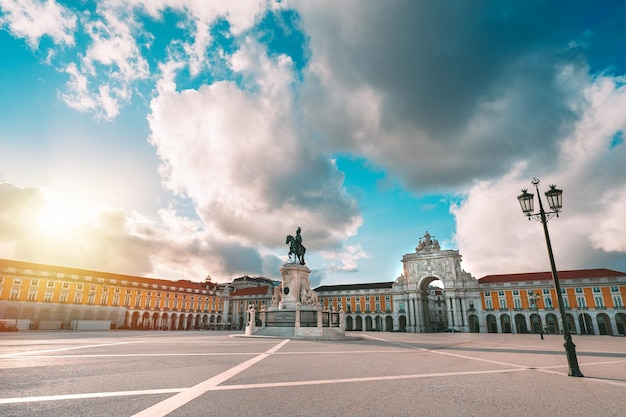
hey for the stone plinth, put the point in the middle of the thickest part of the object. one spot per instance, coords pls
(295, 287)
(296, 311)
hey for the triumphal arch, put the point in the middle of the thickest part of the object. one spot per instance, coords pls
(414, 300)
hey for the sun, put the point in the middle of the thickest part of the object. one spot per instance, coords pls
(57, 218)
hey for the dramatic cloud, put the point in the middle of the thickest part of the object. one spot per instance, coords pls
(439, 95)
(591, 231)
(33, 226)
(241, 156)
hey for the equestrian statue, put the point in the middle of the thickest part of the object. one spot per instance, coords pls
(296, 248)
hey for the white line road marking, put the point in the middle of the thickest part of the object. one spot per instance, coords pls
(167, 406)
(90, 395)
(233, 371)
(34, 352)
(362, 379)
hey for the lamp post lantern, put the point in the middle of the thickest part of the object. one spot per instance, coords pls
(554, 197)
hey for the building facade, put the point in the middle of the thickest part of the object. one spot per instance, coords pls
(52, 297)
(366, 306)
(242, 298)
(527, 303)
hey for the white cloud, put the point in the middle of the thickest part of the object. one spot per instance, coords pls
(348, 257)
(33, 19)
(243, 158)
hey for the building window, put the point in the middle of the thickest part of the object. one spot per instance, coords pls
(32, 295)
(103, 299)
(78, 297)
(488, 304)
(48, 296)
(580, 301)
(377, 306)
(127, 290)
(617, 301)
(387, 298)
(116, 300)
(34, 282)
(517, 303)
(148, 300)
(157, 303)
(501, 293)
(515, 292)
(63, 297)
(596, 289)
(117, 290)
(579, 290)
(17, 281)
(92, 288)
(502, 304)
(614, 289)
(91, 298)
(137, 301)
(50, 284)
(127, 301)
(546, 291)
(547, 301)
(66, 285)
(566, 302)
(79, 286)
(487, 293)
(599, 301)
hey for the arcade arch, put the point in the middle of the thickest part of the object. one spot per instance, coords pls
(428, 313)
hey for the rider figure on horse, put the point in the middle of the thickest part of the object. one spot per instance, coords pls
(296, 248)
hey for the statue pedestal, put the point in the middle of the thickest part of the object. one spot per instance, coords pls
(295, 286)
(296, 311)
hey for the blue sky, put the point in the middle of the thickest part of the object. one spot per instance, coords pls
(183, 138)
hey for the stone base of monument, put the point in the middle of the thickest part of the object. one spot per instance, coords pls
(296, 311)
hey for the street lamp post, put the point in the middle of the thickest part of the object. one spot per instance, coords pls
(535, 297)
(554, 197)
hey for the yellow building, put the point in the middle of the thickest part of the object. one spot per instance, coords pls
(367, 306)
(523, 303)
(53, 297)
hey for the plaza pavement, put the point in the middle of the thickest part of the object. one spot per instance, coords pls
(205, 373)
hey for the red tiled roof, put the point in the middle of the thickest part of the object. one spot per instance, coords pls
(262, 290)
(542, 276)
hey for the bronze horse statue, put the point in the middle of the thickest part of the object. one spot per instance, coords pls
(296, 248)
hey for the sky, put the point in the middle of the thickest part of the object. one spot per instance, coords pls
(183, 138)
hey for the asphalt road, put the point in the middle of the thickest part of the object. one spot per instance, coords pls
(205, 373)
